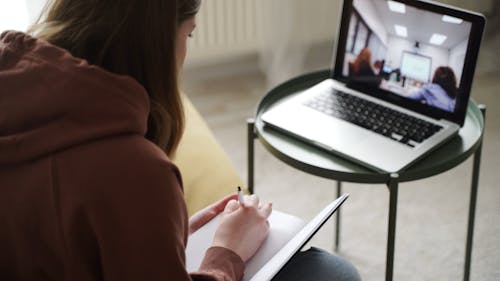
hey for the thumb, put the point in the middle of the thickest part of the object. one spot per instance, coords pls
(231, 206)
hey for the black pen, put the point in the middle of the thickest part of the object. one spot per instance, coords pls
(240, 196)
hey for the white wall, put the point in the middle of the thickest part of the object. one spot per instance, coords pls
(457, 57)
(367, 11)
(13, 15)
(397, 45)
(453, 58)
(19, 14)
(34, 8)
(228, 29)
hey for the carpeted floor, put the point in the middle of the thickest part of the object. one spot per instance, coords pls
(432, 213)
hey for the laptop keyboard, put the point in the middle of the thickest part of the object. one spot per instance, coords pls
(372, 116)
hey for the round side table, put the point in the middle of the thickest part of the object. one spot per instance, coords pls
(312, 160)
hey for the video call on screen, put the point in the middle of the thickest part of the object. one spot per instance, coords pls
(413, 53)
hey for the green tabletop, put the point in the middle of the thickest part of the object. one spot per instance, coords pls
(315, 161)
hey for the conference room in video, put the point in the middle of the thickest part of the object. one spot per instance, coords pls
(413, 53)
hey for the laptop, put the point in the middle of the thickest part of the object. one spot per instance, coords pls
(399, 86)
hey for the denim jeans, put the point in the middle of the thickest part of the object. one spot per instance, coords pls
(317, 265)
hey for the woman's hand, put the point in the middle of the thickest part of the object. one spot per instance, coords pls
(207, 214)
(242, 229)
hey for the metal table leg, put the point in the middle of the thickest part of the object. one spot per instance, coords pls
(472, 204)
(391, 234)
(250, 153)
(337, 222)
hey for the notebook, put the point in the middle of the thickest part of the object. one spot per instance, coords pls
(399, 86)
(287, 235)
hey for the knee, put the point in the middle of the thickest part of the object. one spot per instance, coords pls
(316, 264)
(347, 271)
(340, 269)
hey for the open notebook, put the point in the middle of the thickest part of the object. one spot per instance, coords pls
(287, 235)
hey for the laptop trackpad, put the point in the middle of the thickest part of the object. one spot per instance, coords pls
(338, 135)
(325, 131)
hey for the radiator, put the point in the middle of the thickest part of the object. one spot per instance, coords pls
(225, 29)
(230, 28)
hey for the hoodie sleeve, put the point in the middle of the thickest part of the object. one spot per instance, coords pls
(139, 219)
(220, 264)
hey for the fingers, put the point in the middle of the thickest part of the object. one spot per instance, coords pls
(200, 219)
(251, 200)
(231, 206)
(220, 205)
(243, 229)
(203, 216)
(227, 204)
(266, 209)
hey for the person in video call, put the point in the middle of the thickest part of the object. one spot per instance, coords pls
(90, 116)
(361, 71)
(362, 64)
(378, 66)
(442, 92)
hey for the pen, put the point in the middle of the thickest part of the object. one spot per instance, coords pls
(240, 196)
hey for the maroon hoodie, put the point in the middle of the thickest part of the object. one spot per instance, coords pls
(83, 195)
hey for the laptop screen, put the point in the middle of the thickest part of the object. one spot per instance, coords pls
(416, 53)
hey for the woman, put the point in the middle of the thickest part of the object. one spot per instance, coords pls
(90, 109)
(362, 65)
(442, 92)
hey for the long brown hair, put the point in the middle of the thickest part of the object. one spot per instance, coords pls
(130, 37)
(187, 9)
(364, 57)
(445, 77)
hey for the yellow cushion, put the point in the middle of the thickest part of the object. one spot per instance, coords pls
(207, 172)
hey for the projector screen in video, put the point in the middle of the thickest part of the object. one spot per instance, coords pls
(416, 66)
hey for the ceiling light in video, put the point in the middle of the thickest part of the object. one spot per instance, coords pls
(397, 7)
(401, 30)
(451, 19)
(437, 39)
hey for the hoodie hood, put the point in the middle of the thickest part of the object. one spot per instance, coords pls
(51, 101)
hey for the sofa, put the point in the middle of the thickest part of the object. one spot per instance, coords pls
(207, 172)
